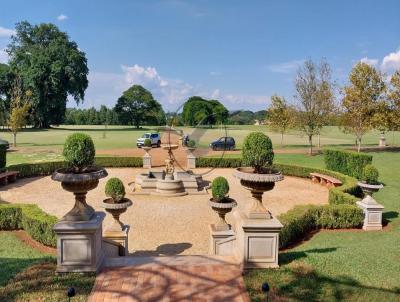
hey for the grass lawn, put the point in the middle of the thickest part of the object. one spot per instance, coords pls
(342, 265)
(28, 275)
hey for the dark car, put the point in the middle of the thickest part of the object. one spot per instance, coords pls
(4, 142)
(223, 143)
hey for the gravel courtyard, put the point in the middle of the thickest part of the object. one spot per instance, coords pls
(165, 226)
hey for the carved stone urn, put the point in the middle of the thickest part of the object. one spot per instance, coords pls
(116, 209)
(257, 184)
(368, 190)
(222, 208)
(79, 183)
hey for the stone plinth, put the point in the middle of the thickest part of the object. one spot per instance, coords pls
(372, 214)
(382, 141)
(116, 242)
(147, 161)
(79, 245)
(257, 241)
(191, 161)
(222, 243)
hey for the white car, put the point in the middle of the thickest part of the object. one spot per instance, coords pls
(155, 139)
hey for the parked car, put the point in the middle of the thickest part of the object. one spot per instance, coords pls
(154, 137)
(4, 142)
(223, 143)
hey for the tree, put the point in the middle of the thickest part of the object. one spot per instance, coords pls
(137, 105)
(314, 92)
(393, 98)
(280, 115)
(51, 66)
(197, 110)
(362, 100)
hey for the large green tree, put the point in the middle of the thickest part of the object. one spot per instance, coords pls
(362, 100)
(197, 110)
(51, 66)
(4, 93)
(137, 106)
(280, 115)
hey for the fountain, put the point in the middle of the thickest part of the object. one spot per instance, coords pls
(168, 182)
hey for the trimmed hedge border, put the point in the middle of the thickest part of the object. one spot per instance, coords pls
(38, 224)
(346, 162)
(47, 168)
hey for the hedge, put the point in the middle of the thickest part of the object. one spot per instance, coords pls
(301, 220)
(218, 162)
(346, 162)
(47, 168)
(32, 219)
(3, 156)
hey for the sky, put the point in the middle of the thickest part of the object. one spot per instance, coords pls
(239, 52)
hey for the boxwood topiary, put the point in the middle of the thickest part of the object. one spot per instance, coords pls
(191, 143)
(257, 151)
(370, 175)
(147, 142)
(115, 189)
(220, 188)
(79, 150)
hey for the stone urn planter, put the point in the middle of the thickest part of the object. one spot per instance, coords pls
(146, 149)
(222, 208)
(79, 183)
(257, 184)
(369, 189)
(116, 209)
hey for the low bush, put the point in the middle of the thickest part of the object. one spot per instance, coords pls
(3, 157)
(219, 188)
(218, 162)
(115, 189)
(119, 162)
(147, 142)
(301, 220)
(347, 162)
(79, 150)
(370, 175)
(32, 219)
(257, 151)
(191, 143)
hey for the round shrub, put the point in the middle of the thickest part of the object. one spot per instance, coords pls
(191, 143)
(147, 142)
(257, 151)
(370, 175)
(219, 188)
(79, 150)
(115, 189)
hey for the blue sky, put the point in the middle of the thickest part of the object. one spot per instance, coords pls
(240, 52)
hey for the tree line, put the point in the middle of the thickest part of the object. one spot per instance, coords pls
(370, 100)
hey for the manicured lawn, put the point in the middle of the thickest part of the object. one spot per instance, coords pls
(29, 275)
(343, 265)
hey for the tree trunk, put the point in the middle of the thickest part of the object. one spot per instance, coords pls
(359, 144)
(319, 141)
(15, 139)
(311, 146)
(282, 139)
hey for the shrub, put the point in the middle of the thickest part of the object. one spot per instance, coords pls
(219, 188)
(218, 162)
(3, 156)
(147, 142)
(301, 220)
(370, 175)
(119, 162)
(191, 143)
(32, 219)
(257, 151)
(115, 189)
(347, 162)
(79, 150)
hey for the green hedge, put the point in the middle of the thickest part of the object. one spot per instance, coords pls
(346, 162)
(347, 193)
(32, 219)
(3, 156)
(47, 168)
(301, 220)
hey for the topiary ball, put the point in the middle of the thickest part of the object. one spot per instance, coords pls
(147, 142)
(191, 143)
(115, 189)
(79, 150)
(219, 188)
(257, 151)
(370, 175)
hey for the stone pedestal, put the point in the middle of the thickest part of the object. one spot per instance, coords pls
(116, 242)
(147, 161)
(257, 241)
(79, 245)
(373, 214)
(382, 141)
(191, 161)
(222, 243)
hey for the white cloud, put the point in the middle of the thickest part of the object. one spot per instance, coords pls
(285, 67)
(214, 73)
(6, 32)
(3, 56)
(391, 61)
(62, 17)
(372, 62)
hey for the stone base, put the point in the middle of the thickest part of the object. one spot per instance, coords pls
(257, 241)
(222, 243)
(79, 245)
(191, 161)
(116, 242)
(147, 161)
(373, 214)
(382, 142)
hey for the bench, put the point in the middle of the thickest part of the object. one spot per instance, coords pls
(7, 177)
(322, 179)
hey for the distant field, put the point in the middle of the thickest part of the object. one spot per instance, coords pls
(43, 145)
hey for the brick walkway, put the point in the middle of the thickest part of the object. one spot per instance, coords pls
(178, 278)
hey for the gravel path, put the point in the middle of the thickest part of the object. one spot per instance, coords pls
(162, 226)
